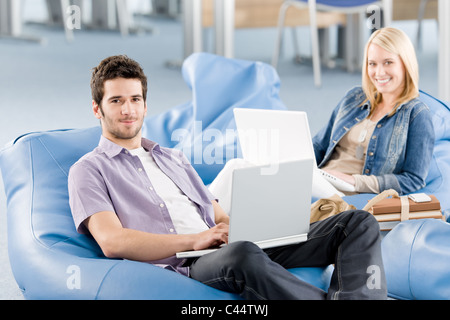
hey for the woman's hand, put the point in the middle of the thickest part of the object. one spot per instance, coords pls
(346, 177)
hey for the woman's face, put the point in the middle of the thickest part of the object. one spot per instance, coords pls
(386, 71)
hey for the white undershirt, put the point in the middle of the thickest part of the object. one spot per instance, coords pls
(184, 213)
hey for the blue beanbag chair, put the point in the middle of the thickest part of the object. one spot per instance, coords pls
(416, 258)
(50, 260)
(204, 128)
(438, 179)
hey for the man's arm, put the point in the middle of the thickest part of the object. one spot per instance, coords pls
(118, 242)
(219, 214)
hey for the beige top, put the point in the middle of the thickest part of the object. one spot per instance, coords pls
(350, 154)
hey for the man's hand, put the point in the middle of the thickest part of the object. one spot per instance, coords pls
(213, 237)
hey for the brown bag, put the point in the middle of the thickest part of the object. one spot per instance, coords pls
(325, 208)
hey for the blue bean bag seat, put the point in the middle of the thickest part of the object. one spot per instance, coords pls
(50, 260)
(416, 257)
(204, 128)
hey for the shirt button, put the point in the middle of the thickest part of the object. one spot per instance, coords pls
(140, 169)
(367, 171)
(126, 152)
(371, 154)
(379, 126)
(150, 188)
(171, 230)
(161, 205)
(374, 137)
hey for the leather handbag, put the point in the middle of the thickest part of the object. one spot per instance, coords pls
(327, 207)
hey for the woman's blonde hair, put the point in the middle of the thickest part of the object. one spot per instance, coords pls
(397, 42)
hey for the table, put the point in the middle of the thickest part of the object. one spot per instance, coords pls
(192, 27)
(223, 26)
(224, 35)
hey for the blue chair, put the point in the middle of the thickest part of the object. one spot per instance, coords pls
(416, 253)
(204, 128)
(50, 260)
(341, 6)
(416, 259)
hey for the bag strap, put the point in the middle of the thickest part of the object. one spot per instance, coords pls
(381, 196)
(404, 213)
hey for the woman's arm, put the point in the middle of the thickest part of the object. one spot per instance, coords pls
(322, 139)
(419, 152)
(411, 176)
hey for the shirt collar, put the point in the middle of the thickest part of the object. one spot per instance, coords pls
(112, 149)
(366, 105)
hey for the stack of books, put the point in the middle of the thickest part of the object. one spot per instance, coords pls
(388, 211)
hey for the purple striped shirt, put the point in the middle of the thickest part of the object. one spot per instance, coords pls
(111, 179)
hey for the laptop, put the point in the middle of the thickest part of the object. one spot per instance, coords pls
(271, 136)
(269, 210)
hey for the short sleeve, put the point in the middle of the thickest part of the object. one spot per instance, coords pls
(88, 193)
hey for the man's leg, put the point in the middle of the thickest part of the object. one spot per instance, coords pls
(351, 241)
(243, 268)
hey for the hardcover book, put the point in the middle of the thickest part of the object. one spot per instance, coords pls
(393, 205)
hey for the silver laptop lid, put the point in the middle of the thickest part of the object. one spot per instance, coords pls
(268, 206)
(267, 136)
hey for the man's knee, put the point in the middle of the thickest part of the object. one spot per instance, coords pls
(241, 255)
(361, 215)
(360, 219)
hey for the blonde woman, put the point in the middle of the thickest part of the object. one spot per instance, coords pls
(380, 136)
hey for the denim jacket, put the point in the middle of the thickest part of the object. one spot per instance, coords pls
(400, 149)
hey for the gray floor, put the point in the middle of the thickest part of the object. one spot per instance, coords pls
(45, 87)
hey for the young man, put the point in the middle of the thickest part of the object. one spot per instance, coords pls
(143, 202)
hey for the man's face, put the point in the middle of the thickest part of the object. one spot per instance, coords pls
(122, 110)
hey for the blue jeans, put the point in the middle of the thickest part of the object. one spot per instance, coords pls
(350, 240)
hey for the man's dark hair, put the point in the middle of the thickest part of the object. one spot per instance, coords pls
(116, 67)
